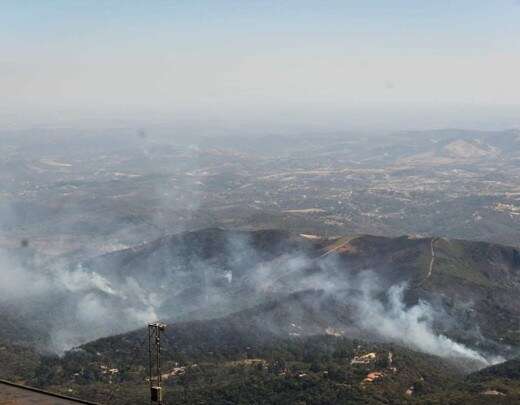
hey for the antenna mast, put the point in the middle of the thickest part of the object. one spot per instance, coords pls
(154, 361)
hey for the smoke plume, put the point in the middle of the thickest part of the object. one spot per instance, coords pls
(81, 303)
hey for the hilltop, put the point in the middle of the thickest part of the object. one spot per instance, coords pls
(250, 304)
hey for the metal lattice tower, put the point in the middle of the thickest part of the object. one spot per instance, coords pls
(154, 361)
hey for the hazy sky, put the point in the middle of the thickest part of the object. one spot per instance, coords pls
(429, 62)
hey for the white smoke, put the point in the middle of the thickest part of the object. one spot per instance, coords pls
(82, 305)
(17, 282)
(412, 326)
(93, 305)
(100, 307)
(378, 310)
(80, 280)
(228, 275)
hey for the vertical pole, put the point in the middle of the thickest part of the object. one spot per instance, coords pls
(154, 356)
(158, 354)
(150, 359)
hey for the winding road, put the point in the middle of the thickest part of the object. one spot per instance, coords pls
(432, 260)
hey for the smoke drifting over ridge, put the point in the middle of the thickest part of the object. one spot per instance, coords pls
(72, 306)
(412, 326)
(84, 302)
(380, 311)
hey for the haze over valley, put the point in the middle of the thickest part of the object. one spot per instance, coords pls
(291, 202)
(268, 236)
